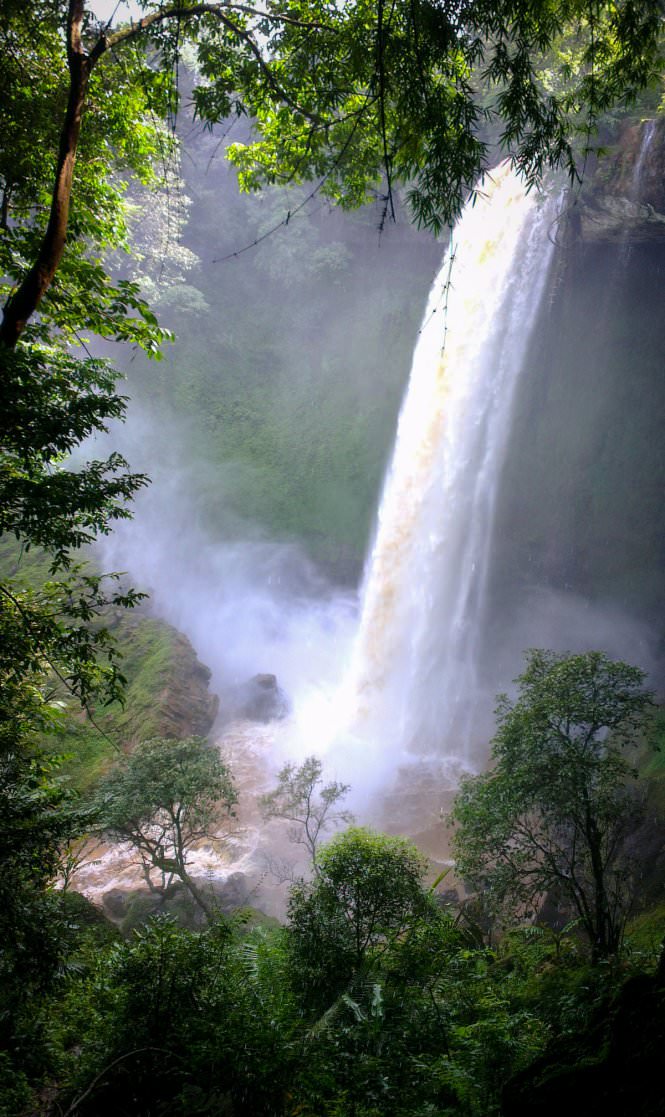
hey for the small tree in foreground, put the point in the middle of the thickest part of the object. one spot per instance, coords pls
(300, 799)
(556, 810)
(369, 891)
(167, 796)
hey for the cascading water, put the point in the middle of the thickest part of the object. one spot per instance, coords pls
(413, 677)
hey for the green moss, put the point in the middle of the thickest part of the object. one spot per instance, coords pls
(86, 754)
(646, 932)
(153, 657)
(149, 651)
(31, 567)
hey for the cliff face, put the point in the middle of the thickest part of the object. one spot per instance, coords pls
(167, 693)
(624, 199)
(184, 705)
(579, 544)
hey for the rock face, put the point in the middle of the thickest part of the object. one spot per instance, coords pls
(186, 706)
(260, 699)
(624, 200)
(129, 908)
(167, 691)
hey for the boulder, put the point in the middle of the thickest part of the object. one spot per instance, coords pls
(261, 699)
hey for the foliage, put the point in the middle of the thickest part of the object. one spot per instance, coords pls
(214, 1022)
(181, 1022)
(300, 800)
(555, 811)
(38, 817)
(368, 890)
(419, 1021)
(55, 634)
(54, 400)
(122, 133)
(372, 94)
(163, 799)
(52, 403)
(348, 95)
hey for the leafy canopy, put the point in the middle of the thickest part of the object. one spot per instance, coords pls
(358, 96)
(368, 890)
(365, 94)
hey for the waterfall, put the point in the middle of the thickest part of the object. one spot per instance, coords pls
(648, 133)
(414, 670)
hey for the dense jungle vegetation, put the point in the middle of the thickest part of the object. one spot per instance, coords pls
(382, 994)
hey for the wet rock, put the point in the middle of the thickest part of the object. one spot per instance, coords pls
(624, 199)
(232, 894)
(261, 699)
(114, 903)
(129, 908)
(607, 217)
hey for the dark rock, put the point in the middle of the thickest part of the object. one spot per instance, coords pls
(232, 894)
(114, 903)
(261, 699)
(129, 908)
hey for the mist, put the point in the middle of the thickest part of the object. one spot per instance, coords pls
(248, 604)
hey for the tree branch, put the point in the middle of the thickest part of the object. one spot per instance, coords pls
(27, 297)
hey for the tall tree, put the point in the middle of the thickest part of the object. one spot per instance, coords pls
(554, 813)
(54, 399)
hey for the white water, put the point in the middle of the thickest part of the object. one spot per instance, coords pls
(413, 682)
(648, 133)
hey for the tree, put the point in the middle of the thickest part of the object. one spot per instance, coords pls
(299, 800)
(367, 892)
(556, 809)
(52, 399)
(167, 796)
(413, 92)
(38, 816)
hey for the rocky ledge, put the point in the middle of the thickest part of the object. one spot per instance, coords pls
(624, 199)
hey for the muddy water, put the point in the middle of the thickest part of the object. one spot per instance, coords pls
(248, 862)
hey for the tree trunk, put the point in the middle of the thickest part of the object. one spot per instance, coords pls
(208, 910)
(602, 945)
(27, 297)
